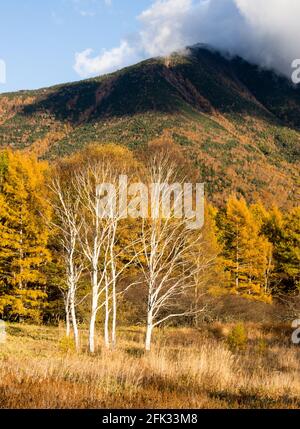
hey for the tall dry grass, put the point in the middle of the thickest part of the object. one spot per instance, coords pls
(187, 368)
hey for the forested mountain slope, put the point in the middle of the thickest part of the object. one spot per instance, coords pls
(239, 126)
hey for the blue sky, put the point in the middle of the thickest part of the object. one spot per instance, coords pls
(45, 42)
(39, 38)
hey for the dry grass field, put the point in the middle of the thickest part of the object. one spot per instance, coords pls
(209, 367)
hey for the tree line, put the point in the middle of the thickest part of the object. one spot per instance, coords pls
(56, 252)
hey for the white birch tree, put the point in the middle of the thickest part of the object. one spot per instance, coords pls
(169, 270)
(115, 268)
(68, 223)
(97, 189)
(93, 237)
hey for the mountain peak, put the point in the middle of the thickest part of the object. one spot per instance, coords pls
(237, 124)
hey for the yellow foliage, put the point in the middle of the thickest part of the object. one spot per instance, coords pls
(24, 213)
(247, 252)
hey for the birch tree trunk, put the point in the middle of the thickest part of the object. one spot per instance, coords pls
(94, 310)
(114, 316)
(107, 311)
(74, 323)
(149, 330)
(92, 331)
(114, 275)
(67, 316)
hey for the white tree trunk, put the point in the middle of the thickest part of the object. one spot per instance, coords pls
(149, 331)
(92, 333)
(93, 312)
(148, 337)
(106, 322)
(67, 314)
(114, 316)
(68, 324)
(74, 322)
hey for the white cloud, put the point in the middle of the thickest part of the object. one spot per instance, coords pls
(262, 31)
(106, 62)
(162, 26)
(272, 32)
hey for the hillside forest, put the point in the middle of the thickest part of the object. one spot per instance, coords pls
(61, 263)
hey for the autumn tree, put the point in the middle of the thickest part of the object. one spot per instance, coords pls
(289, 248)
(67, 225)
(283, 231)
(102, 165)
(210, 278)
(168, 266)
(23, 235)
(246, 251)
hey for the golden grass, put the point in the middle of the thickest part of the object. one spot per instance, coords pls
(187, 368)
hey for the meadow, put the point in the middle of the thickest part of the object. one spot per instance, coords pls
(213, 366)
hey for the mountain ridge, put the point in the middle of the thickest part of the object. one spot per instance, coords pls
(237, 124)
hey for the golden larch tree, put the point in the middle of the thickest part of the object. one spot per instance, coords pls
(24, 212)
(246, 251)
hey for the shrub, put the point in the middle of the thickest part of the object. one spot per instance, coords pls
(66, 344)
(238, 338)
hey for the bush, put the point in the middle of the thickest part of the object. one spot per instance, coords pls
(66, 345)
(238, 338)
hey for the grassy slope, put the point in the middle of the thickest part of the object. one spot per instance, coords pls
(236, 124)
(187, 368)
